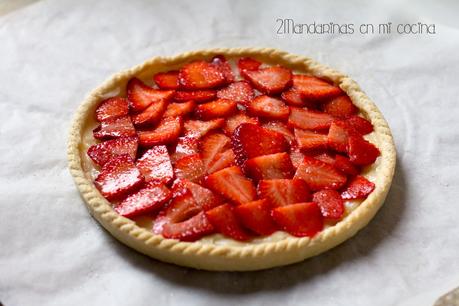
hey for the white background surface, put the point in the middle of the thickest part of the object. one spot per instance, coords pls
(52, 53)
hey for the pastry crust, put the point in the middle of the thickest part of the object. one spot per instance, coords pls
(241, 256)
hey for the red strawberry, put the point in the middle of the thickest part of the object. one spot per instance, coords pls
(212, 145)
(271, 80)
(167, 80)
(361, 125)
(338, 135)
(340, 107)
(200, 75)
(315, 89)
(326, 158)
(185, 146)
(216, 109)
(234, 121)
(362, 152)
(221, 161)
(204, 198)
(358, 188)
(247, 64)
(232, 184)
(146, 200)
(292, 97)
(309, 140)
(343, 164)
(280, 127)
(256, 216)
(166, 132)
(309, 120)
(331, 204)
(151, 115)
(267, 107)
(301, 219)
(296, 156)
(155, 165)
(140, 96)
(283, 191)
(319, 175)
(112, 108)
(179, 109)
(114, 128)
(222, 64)
(190, 167)
(198, 128)
(225, 221)
(240, 92)
(102, 152)
(118, 177)
(250, 140)
(267, 167)
(189, 230)
(196, 95)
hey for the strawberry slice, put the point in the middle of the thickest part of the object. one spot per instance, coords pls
(167, 80)
(212, 145)
(190, 167)
(267, 167)
(296, 156)
(271, 80)
(198, 128)
(240, 92)
(310, 140)
(200, 75)
(331, 204)
(221, 161)
(112, 108)
(118, 176)
(361, 125)
(358, 188)
(215, 109)
(338, 135)
(167, 131)
(234, 121)
(185, 146)
(315, 89)
(362, 152)
(222, 64)
(319, 175)
(326, 157)
(232, 184)
(293, 97)
(225, 221)
(340, 107)
(267, 107)
(196, 95)
(151, 115)
(250, 140)
(343, 164)
(155, 165)
(189, 230)
(256, 216)
(284, 192)
(114, 128)
(102, 152)
(140, 96)
(146, 200)
(300, 220)
(280, 127)
(204, 197)
(247, 64)
(179, 109)
(309, 120)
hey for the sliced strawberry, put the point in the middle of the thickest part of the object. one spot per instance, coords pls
(310, 140)
(326, 157)
(112, 108)
(340, 107)
(167, 80)
(268, 167)
(232, 184)
(189, 230)
(267, 107)
(301, 219)
(167, 131)
(338, 136)
(331, 204)
(362, 152)
(198, 128)
(284, 192)
(221, 161)
(319, 175)
(296, 156)
(234, 121)
(280, 127)
(361, 125)
(204, 197)
(114, 128)
(179, 109)
(155, 165)
(197, 95)
(247, 64)
(225, 221)
(256, 216)
(151, 115)
(222, 64)
(343, 164)
(140, 96)
(102, 152)
(146, 200)
(118, 176)
(315, 89)
(185, 146)
(358, 188)
(190, 167)
(271, 80)
(216, 109)
(240, 92)
(212, 145)
(309, 120)
(200, 75)
(292, 97)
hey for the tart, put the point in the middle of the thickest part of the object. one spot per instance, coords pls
(231, 159)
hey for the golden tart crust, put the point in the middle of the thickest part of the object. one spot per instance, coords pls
(226, 256)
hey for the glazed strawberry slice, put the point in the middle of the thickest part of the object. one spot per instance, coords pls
(309, 120)
(234, 121)
(326, 157)
(361, 125)
(331, 204)
(240, 92)
(343, 164)
(118, 177)
(296, 156)
(231, 184)
(185, 146)
(250, 140)
(319, 175)
(179, 109)
(247, 64)
(271, 80)
(112, 108)
(256, 216)
(358, 188)
(114, 128)
(102, 152)
(225, 221)
(222, 64)
(140, 96)
(310, 140)
(204, 197)
(155, 165)
(212, 145)
(300, 220)
(340, 107)
(338, 136)
(221, 161)
(167, 131)
(200, 75)
(167, 80)
(146, 200)
(267, 167)
(280, 127)
(215, 109)
(190, 167)
(189, 230)
(362, 152)
(151, 115)
(269, 108)
(315, 89)
(197, 95)
(198, 128)
(283, 191)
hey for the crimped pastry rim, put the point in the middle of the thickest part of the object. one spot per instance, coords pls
(233, 257)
